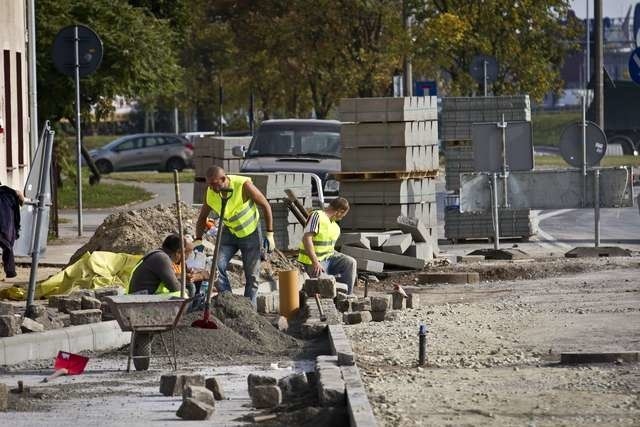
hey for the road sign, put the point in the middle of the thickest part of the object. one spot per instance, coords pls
(426, 88)
(89, 50)
(487, 147)
(634, 65)
(571, 144)
(484, 66)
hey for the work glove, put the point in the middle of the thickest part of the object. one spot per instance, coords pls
(268, 243)
(198, 245)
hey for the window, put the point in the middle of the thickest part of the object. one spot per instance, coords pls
(153, 141)
(7, 108)
(130, 144)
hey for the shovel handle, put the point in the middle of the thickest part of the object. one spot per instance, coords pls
(183, 269)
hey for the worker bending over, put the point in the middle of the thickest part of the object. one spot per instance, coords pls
(241, 226)
(317, 250)
(156, 272)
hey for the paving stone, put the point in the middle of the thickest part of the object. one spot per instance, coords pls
(54, 300)
(6, 309)
(83, 317)
(254, 381)
(293, 385)
(69, 304)
(9, 325)
(64, 319)
(380, 303)
(378, 316)
(89, 303)
(38, 310)
(341, 346)
(369, 265)
(413, 301)
(83, 292)
(362, 304)
(398, 301)
(172, 384)
(266, 396)
(325, 286)
(214, 386)
(192, 409)
(356, 317)
(29, 325)
(201, 394)
(453, 278)
(262, 304)
(415, 227)
(331, 386)
(4, 397)
(108, 292)
(343, 305)
(397, 244)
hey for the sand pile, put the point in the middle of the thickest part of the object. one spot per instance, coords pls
(241, 332)
(138, 231)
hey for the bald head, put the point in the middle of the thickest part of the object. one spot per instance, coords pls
(214, 172)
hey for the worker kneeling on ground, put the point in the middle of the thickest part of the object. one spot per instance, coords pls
(241, 229)
(156, 273)
(317, 250)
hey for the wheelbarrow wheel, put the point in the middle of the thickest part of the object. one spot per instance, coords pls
(142, 347)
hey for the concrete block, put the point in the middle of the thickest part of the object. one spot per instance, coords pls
(254, 381)
(213, 385)
(471, 278)
(398, 134)
(29, 325)
(392, 159)
(359, 408)
(325, 286)
(361, 304)
(399, 109)
(331, 386)
(341, 346)
(378, 316)
(415, 227)
(191, 409)
(79, 293)
(293, 385)
(343, 306)
(358, 240)
(4, 397)
(356, 317)
(381, 303)
(88, 303)
(386, 258)
(422, 250)
(377, 240)
(107, 292)
(385, 216)
(83, 317)
(413, 300)
(398, 301)
(369, 265)
(264, 304)
(397, 244)
(412, 190)
(9, 325)
(69, 304)
(173, 384)
(65, 319)
(266, 396)
(201, 394)
(6, 309)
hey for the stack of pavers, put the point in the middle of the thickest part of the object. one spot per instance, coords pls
(287, 230)
(389, 165)
(215, 151)
(458, 116)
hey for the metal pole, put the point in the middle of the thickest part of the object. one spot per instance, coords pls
(505, 171)
(33, 82)
(496, 218)
(484, 77)
(422, 345)
(588, 59)
(41, 195)
(176, 125)
(78, 131)
(584, 150)
(599, 64)
(408, 71)
(251, 108)
(220, 105)
(596, 206)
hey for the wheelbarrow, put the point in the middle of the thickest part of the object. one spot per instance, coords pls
(145, 316)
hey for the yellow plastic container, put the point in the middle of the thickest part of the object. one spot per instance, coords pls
(289, 296)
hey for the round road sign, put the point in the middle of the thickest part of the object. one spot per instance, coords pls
(571, 144)
(89, 50)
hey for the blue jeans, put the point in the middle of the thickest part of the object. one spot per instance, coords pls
(250, 249)
(342, 266)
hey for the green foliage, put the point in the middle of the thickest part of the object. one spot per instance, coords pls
(548, 125)
(103, 195)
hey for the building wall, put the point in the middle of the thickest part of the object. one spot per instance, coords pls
(14, 85)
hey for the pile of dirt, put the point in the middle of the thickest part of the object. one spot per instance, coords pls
(241, 332)
(138, 231)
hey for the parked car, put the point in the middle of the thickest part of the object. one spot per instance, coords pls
(149, 151)
(295, 145)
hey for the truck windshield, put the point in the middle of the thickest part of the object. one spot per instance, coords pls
(296, 141)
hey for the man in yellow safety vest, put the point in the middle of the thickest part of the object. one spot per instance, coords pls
(317, 250)
(241, 226)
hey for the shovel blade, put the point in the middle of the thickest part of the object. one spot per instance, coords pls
(74, 363)
(204, 323)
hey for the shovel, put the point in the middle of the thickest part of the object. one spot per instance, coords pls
(205, 323)
(183, 267)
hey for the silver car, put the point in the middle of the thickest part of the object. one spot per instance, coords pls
(148, 151)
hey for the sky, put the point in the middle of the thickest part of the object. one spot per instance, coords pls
(610, 8)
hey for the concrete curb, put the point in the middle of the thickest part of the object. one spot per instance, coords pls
(45, 345)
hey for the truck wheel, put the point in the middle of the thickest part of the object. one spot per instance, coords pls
(624, 141)
(142, 347)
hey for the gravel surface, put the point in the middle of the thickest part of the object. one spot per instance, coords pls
(493, 350)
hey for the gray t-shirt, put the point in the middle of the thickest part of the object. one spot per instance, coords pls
(156, 267)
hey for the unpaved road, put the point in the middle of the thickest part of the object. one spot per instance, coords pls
(493, 350)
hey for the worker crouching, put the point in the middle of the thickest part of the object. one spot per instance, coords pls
(317, 250)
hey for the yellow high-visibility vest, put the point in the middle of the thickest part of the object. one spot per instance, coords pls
(324, 240)
(240, 217)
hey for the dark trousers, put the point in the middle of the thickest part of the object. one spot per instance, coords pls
(7, 258)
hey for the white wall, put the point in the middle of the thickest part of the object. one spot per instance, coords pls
(13, 172)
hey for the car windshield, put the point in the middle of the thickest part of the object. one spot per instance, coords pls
(296, 141)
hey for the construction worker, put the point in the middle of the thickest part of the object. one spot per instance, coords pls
(317, 250)
(241, 226)
(156, 272)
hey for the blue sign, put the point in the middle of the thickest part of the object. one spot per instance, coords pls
(426, 88)
(634, 66)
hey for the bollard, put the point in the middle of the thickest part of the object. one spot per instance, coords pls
(422, 351)
(289, 293)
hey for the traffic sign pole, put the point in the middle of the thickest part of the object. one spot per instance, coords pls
(78, 129)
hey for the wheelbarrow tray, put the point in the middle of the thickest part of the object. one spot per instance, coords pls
(147, 312)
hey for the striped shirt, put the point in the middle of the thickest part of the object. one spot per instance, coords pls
(313, 223)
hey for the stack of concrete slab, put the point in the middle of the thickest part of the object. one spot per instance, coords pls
(459, 113)
(459, 160)
(389, 161)
(521, 223)
(215, 151)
